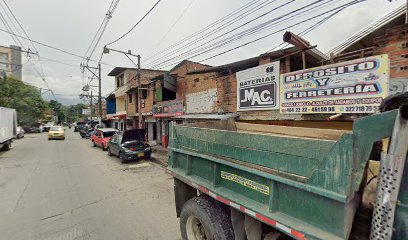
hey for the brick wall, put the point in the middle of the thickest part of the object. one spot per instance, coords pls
(395, 43)
(181, 72)
(147, 104)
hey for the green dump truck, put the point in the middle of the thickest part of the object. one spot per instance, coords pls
(297, 182)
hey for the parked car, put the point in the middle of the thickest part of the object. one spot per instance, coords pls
(47, 127)
(56, 132)
(102, 136)
(78, 126)
(31, 130)
(86, 132)
(20, 132)
(129, 145)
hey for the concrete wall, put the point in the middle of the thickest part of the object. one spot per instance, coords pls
(202, 102)
(16, 65)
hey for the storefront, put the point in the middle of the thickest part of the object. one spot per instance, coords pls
(163, 113)
(118, 121)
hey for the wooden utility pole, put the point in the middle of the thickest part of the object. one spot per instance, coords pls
(100, 94)
(139, 86)
(91, 106)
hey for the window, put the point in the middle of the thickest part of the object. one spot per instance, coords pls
(56, 129)
(109, 134)
(130, 97)
(119, 81)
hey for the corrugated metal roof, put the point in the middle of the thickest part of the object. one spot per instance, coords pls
(118, 70)
(387, 19)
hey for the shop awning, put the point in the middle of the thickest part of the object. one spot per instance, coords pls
(211, 116)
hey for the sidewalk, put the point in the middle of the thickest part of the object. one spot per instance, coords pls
(160, 155)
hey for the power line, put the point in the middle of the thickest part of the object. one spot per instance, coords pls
(18, 22)
(174, 24)
(156, 64)
(270, 34)
(54, 48)
(248, 32)
(218, 21)
(134, 26)
(338, 10)
(225, 23)
(101, 30)
(7, 26)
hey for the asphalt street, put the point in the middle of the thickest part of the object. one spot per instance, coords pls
(65, 190)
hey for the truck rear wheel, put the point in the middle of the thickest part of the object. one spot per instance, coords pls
(202, 219)
(6, 146)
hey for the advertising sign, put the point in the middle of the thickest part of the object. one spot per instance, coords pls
(168, 109)
(86, 111)
(356, 86)
(258, 88)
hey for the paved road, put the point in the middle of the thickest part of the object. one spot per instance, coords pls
(63, 190)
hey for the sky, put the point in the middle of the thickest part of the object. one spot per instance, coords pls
(71, 24)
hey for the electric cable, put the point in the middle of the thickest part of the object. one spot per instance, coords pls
(218, 21)
(224, 26)
(270, 34)
(134, 26)
(263, 26)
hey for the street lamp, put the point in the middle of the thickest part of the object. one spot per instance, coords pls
(107, 50)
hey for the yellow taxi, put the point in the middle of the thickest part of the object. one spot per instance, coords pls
(56, 132)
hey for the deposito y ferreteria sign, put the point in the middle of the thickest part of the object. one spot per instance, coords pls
(356, 86)
(258, 88)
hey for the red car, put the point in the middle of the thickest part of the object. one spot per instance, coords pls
(101, 137)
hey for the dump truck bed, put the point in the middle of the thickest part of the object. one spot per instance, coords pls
(305, 186)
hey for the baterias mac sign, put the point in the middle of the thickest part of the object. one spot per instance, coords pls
(258, 88)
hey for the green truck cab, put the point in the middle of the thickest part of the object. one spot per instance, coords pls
(300, 183)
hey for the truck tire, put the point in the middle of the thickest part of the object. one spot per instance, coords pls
(6, 146)
(201, 218)
(93, 144)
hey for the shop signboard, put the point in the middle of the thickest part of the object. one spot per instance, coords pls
(356, 86)
(86, 111)
(258, 88)
(168, 109)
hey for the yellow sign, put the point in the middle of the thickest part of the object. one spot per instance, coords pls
(245, 182)
(357, 86)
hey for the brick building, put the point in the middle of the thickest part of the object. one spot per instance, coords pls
(170, 99)
(389, 35)
(126, 89)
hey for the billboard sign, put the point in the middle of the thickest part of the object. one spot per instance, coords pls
(356, 86)
(258, 88)
(168, 109)
(86, 111)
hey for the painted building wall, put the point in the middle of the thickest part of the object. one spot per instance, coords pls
(200, 93)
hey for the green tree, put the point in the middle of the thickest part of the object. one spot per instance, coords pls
(25, 98)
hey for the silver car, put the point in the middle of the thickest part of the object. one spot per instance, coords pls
(20, 132)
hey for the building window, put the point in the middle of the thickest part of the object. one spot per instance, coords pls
(130, 97)
(119, 81)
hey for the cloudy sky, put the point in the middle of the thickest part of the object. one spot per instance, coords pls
(71, 24)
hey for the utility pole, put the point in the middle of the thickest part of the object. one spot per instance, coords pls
(91, 105)
(99, 77)
(106, 50)
(100, 94)
(139, 85)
